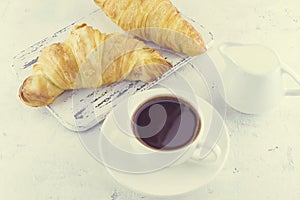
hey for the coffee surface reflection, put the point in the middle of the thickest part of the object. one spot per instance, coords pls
(166, 123)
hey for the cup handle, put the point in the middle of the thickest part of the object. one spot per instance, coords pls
(296, 77)
(210, 158)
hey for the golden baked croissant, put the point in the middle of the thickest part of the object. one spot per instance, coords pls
(155, 20)
(89, 59)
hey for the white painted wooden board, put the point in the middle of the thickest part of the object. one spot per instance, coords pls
(80, 110)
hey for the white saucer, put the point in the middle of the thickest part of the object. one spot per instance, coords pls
(179, 179)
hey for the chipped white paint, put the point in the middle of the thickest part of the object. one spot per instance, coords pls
(39, 159)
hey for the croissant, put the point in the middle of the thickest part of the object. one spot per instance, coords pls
(89, 59)
(155, 20)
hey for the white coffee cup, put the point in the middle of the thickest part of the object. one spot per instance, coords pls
(252, 77)
(163, 158)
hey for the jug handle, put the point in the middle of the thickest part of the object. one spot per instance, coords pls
(295, 76)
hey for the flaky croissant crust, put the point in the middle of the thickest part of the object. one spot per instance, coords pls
(89, 59)
(155, 20)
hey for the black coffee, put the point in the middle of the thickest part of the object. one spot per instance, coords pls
(166, 123)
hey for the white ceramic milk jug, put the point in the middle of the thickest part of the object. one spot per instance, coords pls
(252, 77)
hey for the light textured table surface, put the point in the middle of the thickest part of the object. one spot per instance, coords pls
(40, 159)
